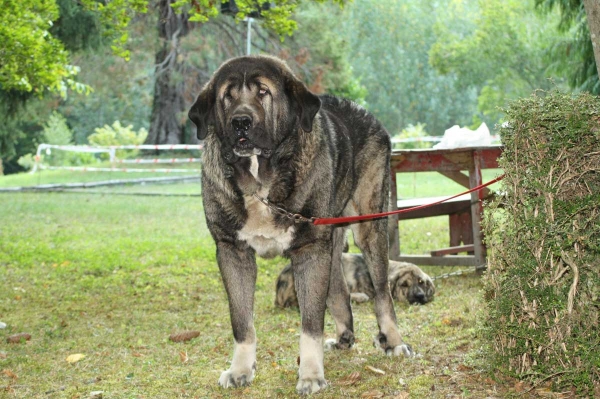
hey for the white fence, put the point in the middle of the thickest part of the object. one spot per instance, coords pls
(112, 152)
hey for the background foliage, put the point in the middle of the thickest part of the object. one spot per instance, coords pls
(573, 55)
(24, 29)
(436, 63)
(389, 44)
(497, 48)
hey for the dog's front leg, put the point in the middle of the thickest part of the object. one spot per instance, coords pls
(238, 269)
(311, 265)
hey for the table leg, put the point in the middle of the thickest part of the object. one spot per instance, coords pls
(394, 235)
(477, 208)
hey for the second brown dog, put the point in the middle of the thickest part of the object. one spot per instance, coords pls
(407, 282)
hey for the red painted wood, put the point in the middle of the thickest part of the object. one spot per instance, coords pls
(447, 160)
(473, 160)
(452, 250)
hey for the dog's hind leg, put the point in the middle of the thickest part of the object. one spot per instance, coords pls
(311, 264)
(338, 298)
(238, 269)
(371, 196)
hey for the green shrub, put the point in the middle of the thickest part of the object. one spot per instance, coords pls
(118, 135)
(542, 288)
(26, 161)
(413, 131)
(57, 132)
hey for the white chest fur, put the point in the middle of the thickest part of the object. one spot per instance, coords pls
(267, 239)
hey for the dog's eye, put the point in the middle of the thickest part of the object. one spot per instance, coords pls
(263, 91)
(420, 281)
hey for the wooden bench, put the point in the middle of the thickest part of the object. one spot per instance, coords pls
(452, 163)
(459, 214)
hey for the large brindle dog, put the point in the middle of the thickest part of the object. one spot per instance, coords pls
(269, 142)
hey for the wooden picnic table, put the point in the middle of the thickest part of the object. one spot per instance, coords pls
(452, 163)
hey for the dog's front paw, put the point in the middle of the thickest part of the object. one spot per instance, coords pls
(400, 350)
(307, 386)
(231, 379)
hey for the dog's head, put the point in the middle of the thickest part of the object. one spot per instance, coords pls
(408, 282)
(253, 103)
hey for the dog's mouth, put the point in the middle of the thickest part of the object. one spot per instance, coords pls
(417, 299)
(244, 147)
(413, 301)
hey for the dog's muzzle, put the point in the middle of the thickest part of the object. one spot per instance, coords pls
(241, 124)
(244, 147)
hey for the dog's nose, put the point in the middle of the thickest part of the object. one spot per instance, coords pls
(420, 297)
(241, 123)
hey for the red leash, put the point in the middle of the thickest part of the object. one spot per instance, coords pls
(351, 219)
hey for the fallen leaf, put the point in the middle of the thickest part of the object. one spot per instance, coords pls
(9, 374)
(519, 386)
(3, 355)
(453, 322)
(462, 367)
(18, 338)
(402, 395)
(74, 358)
(96, 394)
(350, 379)
(376, 371)
(372, 395)
(184, 357)
(184, 336)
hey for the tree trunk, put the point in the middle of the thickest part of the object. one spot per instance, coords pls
(592, 9)
(167, 121)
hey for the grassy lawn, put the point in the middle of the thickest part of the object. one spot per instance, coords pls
(66, 176)
(111, 277)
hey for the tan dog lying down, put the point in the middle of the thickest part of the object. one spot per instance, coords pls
(407, 282)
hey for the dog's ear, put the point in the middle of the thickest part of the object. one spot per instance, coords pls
(307, 103)
(202, 112)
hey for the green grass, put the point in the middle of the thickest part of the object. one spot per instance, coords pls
(66, 176)
(112, 277)
(432, 184)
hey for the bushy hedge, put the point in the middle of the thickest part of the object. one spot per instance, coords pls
(542, 288)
